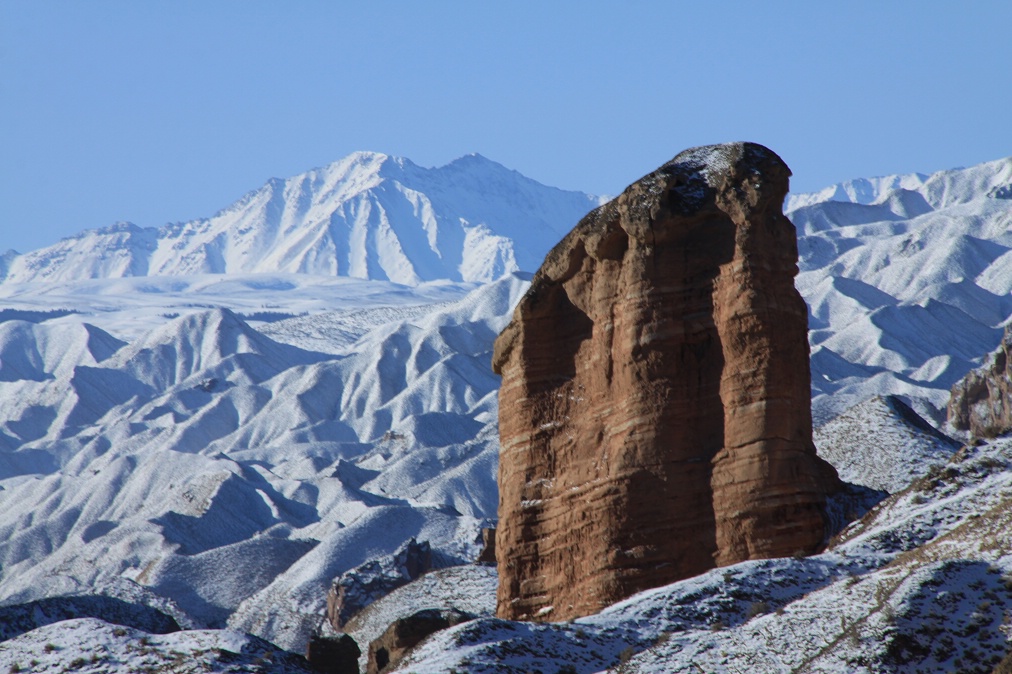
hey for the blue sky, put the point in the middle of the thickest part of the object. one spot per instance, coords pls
(156, 112)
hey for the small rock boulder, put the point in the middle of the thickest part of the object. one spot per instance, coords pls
(334, 655)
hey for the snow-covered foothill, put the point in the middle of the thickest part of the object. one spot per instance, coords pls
(88, 645)
(238, 475)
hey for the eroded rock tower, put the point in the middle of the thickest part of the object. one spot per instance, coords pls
(654, 414)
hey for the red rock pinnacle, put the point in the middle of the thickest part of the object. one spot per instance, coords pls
(654, 413)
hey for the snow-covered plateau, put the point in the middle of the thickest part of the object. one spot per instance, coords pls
(202, 425)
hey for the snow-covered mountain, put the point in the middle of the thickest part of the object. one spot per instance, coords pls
(367, 216)
(907, 279)
(217, 448)
(235, 474)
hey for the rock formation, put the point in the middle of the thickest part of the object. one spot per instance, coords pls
(982, 401)
(333, 655)
(655, 412)
(355, 589)
(405, 633)
(487, 554)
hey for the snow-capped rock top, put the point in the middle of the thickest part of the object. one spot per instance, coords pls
(368, 216)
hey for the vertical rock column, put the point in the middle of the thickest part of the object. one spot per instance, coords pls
(654, 409)
(768, 485)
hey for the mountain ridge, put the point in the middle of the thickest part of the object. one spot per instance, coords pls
(368, 215)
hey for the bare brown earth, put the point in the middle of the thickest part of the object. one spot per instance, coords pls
(655, 407)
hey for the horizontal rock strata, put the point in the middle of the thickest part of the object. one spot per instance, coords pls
(655, 408)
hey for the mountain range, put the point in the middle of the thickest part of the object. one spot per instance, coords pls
(212, 421)
(367, 216)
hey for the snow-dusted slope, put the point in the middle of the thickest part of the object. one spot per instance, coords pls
(921, 584)
(882, 444)
(237, 475)
(90, 645)
(366, 216)
(907, 280)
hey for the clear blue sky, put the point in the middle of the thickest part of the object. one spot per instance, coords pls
(156, 112)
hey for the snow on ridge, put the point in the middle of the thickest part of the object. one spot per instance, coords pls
(368, 216)
(942, 188)
(890, 269)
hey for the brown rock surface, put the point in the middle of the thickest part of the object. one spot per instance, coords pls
(654, 412)
(981, 402)
(487, 554)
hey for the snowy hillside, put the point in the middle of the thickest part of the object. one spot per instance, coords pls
(920, 585)
(234, 474)
(367, 216)
(907, 280)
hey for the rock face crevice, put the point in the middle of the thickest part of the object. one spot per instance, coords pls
(655, 405)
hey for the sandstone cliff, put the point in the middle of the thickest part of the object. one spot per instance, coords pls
(654, 410)
(981, 402)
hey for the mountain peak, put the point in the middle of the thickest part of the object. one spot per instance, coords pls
(369, 215)
(472, 158)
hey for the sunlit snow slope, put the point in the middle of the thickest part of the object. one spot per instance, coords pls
(236, 474)
(367, 216)
(907, 279)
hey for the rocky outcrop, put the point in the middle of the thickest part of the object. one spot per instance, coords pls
(982, 401)
(333, 655)
(405, 633)
(487, 554)
(355, 589)
(654, 412)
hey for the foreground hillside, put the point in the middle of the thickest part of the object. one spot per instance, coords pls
(921, 584)
(216, 449)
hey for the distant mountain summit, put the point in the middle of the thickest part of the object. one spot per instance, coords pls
(368, 216)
